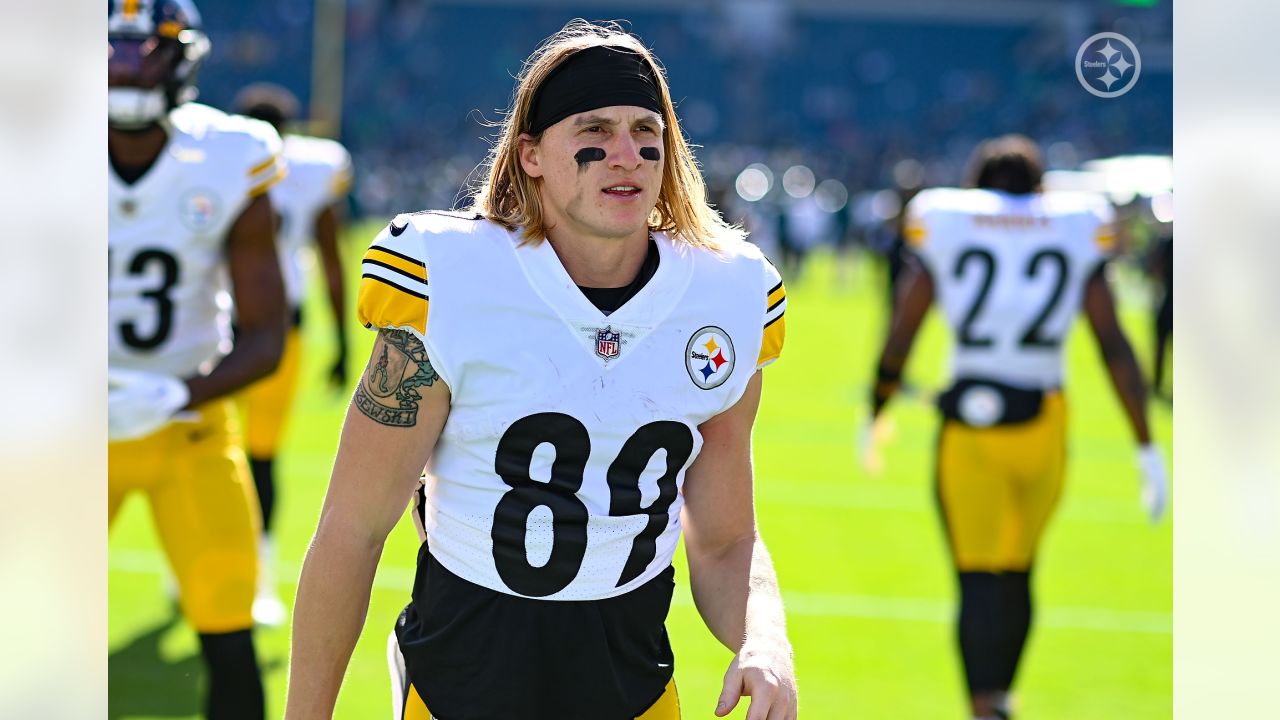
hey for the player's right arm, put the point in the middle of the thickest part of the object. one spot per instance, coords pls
(914, 298)
(386, 441)
(395, 418)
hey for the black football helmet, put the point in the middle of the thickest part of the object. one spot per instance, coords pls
(155, 48)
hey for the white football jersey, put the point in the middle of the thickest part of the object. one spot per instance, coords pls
(319, 175)
(168, 300)
(558, 472)
(1009, 273)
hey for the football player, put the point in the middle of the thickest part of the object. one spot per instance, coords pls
(308, 204)
(1010, 267)
(188, 210)
(1160, 272)
(579, 363)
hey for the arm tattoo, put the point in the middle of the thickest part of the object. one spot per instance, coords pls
(387, 391)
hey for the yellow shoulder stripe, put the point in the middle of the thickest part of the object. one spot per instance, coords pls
(265, 185)
(264, 165)
(778, 295)
(1105, 237)
(340, 185)
(381, 304)
(774, 335)
(914, 233)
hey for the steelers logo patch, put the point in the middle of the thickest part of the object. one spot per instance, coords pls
(709, 357)
(198, 209)
(980, 406)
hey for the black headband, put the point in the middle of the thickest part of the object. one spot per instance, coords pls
(599, 76)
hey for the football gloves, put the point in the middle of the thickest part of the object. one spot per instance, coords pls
(1155, 481)
(139, 403)
(874, 434)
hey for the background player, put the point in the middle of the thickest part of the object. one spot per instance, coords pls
(309, 204)
(597, 317)
(1010, 266)
(187, 207)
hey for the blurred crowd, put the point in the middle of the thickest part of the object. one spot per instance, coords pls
(826, 107)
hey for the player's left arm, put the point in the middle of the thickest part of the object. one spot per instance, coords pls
(1126, 377)
(732, 578)
(258, 291)
(326, 235)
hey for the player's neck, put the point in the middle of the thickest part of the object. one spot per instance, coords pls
(133, 152)
(600, 262)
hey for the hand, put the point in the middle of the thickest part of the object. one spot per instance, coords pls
(1155, 482)
(765, 672)
(872, 436)
(139, 403)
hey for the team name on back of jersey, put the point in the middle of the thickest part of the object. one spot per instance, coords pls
(1012, 222)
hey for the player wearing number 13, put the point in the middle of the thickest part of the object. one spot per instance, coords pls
(187, 211)
(579, 364)
(1010, 266)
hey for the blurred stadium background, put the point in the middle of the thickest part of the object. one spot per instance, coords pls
(815, 117)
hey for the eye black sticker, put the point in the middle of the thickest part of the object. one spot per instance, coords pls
(650, 153)
(588, 155)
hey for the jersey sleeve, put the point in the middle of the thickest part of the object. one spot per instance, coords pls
(393, 282)
(1097, 238)
(267, 164)
(1104, 234)
(775, 322)
(340, 179)
(918, 237)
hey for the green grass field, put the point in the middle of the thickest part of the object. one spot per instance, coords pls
(861, 560)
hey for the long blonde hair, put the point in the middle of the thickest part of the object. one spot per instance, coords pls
(510, 197)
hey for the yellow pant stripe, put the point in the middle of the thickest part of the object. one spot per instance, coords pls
(414, 707)
(666, 708)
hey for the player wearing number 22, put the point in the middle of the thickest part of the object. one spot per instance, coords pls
(579, 365)
(1010, 267)
(187, 211)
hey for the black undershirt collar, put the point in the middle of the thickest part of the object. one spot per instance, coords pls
(607, 300)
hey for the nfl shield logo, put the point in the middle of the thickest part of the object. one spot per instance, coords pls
(608, 343)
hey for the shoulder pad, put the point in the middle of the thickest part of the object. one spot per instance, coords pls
(434, 222)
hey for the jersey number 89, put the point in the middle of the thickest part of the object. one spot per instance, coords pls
(572, 446)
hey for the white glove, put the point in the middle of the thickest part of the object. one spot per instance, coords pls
(872, 436)
(139, 402)
(1155, 481)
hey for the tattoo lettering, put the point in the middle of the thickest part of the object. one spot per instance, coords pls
(588, 155)
(387, 392)
(651, 153)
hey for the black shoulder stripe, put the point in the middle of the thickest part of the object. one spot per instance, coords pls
(404, 290)
(395, 270)
(775, 305)
(774, 289)
(775, 319)
(393, 253)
